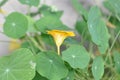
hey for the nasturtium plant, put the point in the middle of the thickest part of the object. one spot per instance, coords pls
(98, 68)
(76, 56)
(30, 2)
(51, 66)
(42, 47)
(19, 65)
(16, 25)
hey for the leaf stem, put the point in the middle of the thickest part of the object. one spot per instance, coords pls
(109, 55)
(117, 17)
(29, 11)
(35, 43)
(41, 42)
(91, 50)
(30, 43)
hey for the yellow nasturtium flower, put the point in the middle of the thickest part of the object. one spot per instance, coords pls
(59, 36)
(14, 44)
(2, 11)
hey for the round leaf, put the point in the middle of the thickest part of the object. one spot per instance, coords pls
(76, 56)
(98, 68)
(17, 66)
(16, 25)
(51, 66)
(30, 2)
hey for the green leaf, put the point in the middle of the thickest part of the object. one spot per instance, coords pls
(30, 45)
(19, 65)
(49, 23)
(81, 27)
(109, 6)
(115, 4)
(116, 22)
(76, 56)
(46, 10)
(98, 29)
(30, 2)
(2, 2)
(79, 8)
(39, 77)
(31, 26)
(70, 41)
(48, 40)
(116, 56)
(16, 25)
(51, 66)
(98, 68)
(70, 76)
(117, 76)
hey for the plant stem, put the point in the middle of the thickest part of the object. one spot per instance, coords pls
(117, 17)
(29, 10)
(41, 42)
(109, 55)
(91, 50)
(114, 41)
(80, 74)
(36, 44)
(58, 50)
(30, 43)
